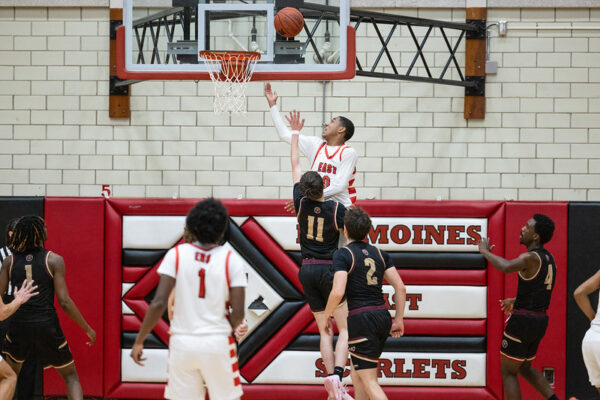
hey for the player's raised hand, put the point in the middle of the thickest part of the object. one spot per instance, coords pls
(270, 95)
(289, 207)
(26, 292)
(294, 121)
(484, 245)
(506, 305)
(397, 328)
(137, 353)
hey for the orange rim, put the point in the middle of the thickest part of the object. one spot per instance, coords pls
(230, 55)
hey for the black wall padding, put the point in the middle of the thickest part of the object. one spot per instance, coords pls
(583, 262)
(262, 265)
(414, 344)
(268, 328)
(142, 258)
(425, 260)
(152, 341)
(13, 207)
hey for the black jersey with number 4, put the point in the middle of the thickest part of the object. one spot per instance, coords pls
(365, 265)
(320, 224)
(534, 293)
(34, 265)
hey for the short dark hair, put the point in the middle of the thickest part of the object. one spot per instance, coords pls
(346, 123)
(358, 223)
(10, 227)
(311, 185)
(29, 233)
(208, 221)
(544, 227)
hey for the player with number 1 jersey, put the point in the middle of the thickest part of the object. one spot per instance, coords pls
(328, 155)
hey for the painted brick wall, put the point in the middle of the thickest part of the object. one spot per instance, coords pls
(540, 139)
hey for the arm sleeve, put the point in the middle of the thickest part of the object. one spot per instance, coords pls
(341, 212)
(297, 196)
(387, 260)
(237, 273)
(345, 173)
(167, 266)
(342, 260)
(308, 145)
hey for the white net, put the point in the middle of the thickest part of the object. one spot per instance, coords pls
(230, 72)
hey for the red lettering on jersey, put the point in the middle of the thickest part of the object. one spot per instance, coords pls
(326, 182)
(320, 168)
(202, 257)
(334, 170)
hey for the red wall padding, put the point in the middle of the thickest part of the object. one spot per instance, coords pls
(76, 232)
(552, 350)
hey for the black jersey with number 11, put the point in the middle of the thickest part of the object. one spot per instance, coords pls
(365, 265)
(320, 223)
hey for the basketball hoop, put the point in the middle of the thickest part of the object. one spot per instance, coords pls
(230, 72)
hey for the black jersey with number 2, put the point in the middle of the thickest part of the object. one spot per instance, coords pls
(34, 265)
(365, 265)
(534, 293)
(320, 224)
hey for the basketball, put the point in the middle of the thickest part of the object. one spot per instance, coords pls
(288, 22)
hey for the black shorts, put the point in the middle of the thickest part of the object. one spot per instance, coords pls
(367, 332)
(46, 340)
(522, 336)
(316, 280)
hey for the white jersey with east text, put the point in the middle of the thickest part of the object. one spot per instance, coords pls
(202, 281)
(335, 164)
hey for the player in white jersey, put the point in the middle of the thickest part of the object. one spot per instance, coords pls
(209, 282)
(329, 155)
(590, 346)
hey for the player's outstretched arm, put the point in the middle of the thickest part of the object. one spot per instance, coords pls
(57, 265)
(524, 261)
(391, 275)
(20, 297)
(296, 125)
(154, 313)
(583, 291)
(270, 95)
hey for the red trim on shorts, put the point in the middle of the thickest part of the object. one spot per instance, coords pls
(235, 367)
(529, 313)
(359, 310)
(351, 190)
(353, 200)
(176, 260)
(237, 381)
(316, 154)
(231, 340)
(227, 269)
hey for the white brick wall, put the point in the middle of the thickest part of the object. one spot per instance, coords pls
(540, 139)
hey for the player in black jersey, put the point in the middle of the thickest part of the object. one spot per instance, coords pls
(319, 223)
(35, 325)
(528, 321)
(359, 272)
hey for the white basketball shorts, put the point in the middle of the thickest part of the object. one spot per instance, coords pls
(196, 361)
(590, 347)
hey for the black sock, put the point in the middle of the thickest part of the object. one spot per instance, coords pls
(553, 397)
(339, 371)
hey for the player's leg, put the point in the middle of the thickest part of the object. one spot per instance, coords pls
(510, 370)
(184, 379)
(326, 342)
(371, 386)
(341, 348)
(217, 357)
(535, 379)
(360, 392)
(8, 381)
(69, 375)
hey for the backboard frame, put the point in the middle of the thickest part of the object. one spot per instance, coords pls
(127, 70)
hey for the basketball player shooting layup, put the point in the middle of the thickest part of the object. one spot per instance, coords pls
(328, 155)
(528, 322)
(207, 277)
(320, 222)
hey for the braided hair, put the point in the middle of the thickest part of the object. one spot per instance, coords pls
(29, 233)
(10, 227)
